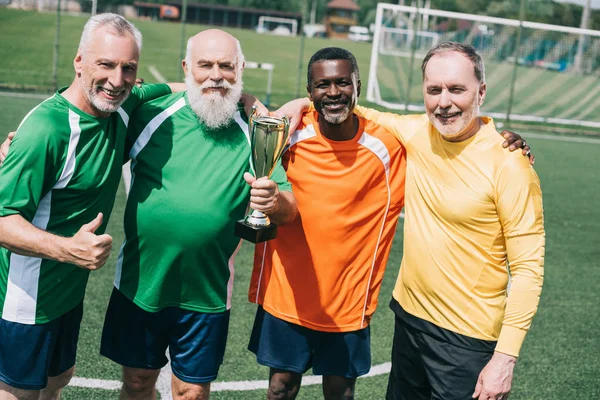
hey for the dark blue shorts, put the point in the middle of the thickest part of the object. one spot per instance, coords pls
(282, 345)
(137, 338)
(29, 354)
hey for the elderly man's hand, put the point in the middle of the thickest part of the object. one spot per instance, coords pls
(4, 147)
(514, 141)
(495, 380)
(264, 194)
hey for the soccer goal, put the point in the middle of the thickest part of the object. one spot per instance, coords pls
(277, 26)
(557, 68)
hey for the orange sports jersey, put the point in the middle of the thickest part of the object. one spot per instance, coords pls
(324, 269)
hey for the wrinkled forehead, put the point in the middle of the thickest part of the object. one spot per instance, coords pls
(214, 50)
(110, 45)
(331, 69)
(450, 66)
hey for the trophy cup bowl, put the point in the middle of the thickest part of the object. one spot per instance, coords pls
(268, 137)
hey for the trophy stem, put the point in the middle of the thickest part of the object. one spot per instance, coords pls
(257, 218)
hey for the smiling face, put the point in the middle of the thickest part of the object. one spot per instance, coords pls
(333, 89)
(453, 95)
(106, 70)
(213, 68)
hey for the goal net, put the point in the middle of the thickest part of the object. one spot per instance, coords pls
(277, 26)
(556, 68)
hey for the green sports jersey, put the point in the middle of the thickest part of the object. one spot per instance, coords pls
(63, 168)
(187, 192)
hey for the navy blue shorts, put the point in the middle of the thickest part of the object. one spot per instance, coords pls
(29, 354)
(282, 345)
(137, 338)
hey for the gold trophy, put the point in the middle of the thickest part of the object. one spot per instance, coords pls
(268, 137)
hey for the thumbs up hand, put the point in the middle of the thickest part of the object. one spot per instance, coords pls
(88, 250)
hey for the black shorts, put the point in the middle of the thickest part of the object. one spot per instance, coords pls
(432, 363)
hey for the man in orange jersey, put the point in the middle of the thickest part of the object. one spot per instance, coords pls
(318, 282)
(474, 213)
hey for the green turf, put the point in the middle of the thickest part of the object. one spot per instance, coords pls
(30, 61)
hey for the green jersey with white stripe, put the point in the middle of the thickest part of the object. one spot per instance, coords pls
(187, 192)
(63, 168)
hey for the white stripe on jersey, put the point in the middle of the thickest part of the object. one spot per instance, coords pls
(124, 116)
(244, 126)
(380, 150)
(299, 135)
(152, 126)
(138, 146)
(34, 108)
(23, 277)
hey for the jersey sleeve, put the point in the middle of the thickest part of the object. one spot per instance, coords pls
(32, 167)
(280, 178)
(403, 127)
(519, 205)
(140, 95)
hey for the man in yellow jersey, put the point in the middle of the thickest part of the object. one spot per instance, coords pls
(474, 222)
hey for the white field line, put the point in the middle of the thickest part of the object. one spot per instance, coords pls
(156, 74)
(569, 139)
(25, 95)
(163, 385)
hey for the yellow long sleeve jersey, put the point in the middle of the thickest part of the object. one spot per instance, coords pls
(473, 212)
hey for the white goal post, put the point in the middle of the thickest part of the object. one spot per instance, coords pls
(277, 26)
(550, 88)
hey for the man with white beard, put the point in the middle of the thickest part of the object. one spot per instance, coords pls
(190, 156)
(57, 190)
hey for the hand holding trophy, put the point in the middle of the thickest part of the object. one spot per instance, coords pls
(268, 137)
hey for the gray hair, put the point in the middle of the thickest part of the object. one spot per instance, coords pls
(239, 57)
(115, 23)
(466, 49)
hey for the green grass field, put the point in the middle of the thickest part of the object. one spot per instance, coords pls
(560, 358)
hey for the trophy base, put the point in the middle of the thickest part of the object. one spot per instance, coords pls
(255, 234)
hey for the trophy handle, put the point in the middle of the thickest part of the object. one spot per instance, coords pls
(284, 137)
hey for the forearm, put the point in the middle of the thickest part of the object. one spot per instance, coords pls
(527, 272)
(176, 86)
(285, 210)
(21, 237)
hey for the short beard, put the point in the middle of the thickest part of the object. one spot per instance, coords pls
(458, 128)
(214, 110)
(103, 105)
(339, 118)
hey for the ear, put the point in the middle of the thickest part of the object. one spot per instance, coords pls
(482, 92)
(358, 86)
(184, 66)
(309, 93)
(78, 63)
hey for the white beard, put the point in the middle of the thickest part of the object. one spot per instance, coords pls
(214, 110)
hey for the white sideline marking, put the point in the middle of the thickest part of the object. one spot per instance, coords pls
(163, 385)
(25, 95)
(156, 74)
(527, 135)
